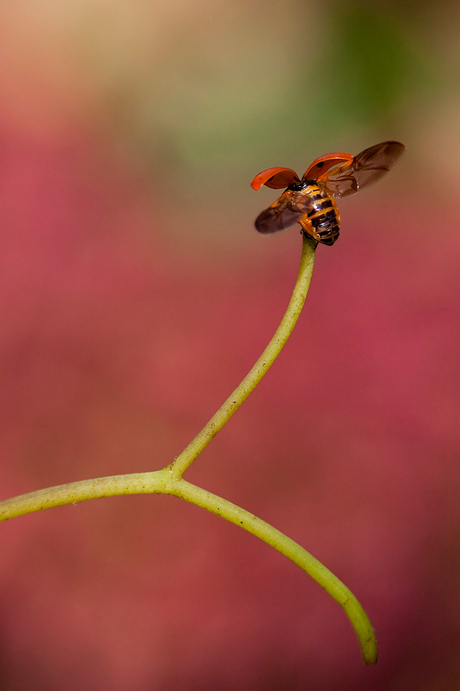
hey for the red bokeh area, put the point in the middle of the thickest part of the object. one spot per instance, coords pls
(116, 349)
(135, 294)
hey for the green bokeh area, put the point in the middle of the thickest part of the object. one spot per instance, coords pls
(373, 68)
(361, 77)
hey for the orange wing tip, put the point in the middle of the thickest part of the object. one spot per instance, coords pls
(321, 165)
(276, 178)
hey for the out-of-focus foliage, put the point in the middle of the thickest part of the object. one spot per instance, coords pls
(277, 82)
(372, 65)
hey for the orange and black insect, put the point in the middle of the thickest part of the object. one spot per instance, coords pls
(310, 201)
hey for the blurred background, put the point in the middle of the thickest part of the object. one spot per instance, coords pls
(135, 295)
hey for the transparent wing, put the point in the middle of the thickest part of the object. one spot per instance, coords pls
(366, 168)
(286, 211)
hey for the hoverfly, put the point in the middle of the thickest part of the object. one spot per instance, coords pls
(310, 201)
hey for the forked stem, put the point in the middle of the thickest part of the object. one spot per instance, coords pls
(169, 480)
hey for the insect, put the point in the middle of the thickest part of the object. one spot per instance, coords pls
(310, 201)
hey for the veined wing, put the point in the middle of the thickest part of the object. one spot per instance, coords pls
(366, 168)
(286, 211)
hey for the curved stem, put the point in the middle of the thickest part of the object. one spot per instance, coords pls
(161, 482)
(169, 480)
(74, 492)
(271, 352)
(307, 562)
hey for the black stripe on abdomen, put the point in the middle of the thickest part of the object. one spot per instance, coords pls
(320, 206)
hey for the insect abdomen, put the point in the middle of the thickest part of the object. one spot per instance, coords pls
(323, 215)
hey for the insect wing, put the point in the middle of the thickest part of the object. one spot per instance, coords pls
(276, 178)
(283, 213)
(366, 168)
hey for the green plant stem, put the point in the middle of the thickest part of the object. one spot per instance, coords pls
(271, 352)
(169, 480)
(307, 562)
(161, 482)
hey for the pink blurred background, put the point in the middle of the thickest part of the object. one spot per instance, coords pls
(135, 295)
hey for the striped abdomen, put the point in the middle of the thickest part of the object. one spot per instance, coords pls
(323, 214)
